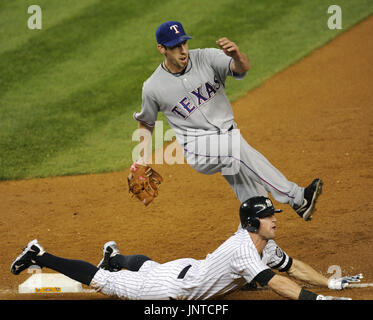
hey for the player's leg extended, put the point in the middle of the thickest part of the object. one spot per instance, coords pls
(248, 172)
(244, 187)
(123, 284)
(34, 254)
(114, 261)
(254, 166)
(255, 169)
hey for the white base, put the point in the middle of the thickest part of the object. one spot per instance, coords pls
(49, 283)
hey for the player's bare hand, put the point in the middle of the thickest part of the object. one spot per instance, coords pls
(229, 47)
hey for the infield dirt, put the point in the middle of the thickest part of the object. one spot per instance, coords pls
(312, 120)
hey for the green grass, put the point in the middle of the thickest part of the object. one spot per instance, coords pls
(68, 91)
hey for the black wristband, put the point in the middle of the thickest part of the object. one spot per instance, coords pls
(307, 295)
(264, 277)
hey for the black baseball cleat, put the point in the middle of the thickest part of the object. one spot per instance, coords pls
(311, 193)
(27, 257)
(110, 251)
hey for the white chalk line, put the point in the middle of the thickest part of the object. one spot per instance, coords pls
(8, 291)
(15, 291)
(350, 286)
(359, 285)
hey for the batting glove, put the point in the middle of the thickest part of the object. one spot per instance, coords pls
(321, 297)
(341, 283)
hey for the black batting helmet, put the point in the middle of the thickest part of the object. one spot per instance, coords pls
(253, 209)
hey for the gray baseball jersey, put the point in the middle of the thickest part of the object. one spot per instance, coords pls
(228, 268)
(197, 108)
(193, 100)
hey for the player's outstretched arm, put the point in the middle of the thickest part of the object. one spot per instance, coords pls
(302, 271)
(285, 287)
(291, 290)
(241, 62)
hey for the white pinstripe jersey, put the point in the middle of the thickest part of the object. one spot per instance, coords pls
(228, 268)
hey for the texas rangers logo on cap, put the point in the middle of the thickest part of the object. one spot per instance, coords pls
(175, 27)
(171, 33)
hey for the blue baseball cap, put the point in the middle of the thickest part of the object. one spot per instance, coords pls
(171, 33)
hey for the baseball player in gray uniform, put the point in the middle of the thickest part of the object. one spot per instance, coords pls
(248, 255)
(189, 88)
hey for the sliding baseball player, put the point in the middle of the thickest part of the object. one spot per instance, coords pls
(249, 255)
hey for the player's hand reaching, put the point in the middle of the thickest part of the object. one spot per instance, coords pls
(341, 283)
(241, 62)
(229, 47)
